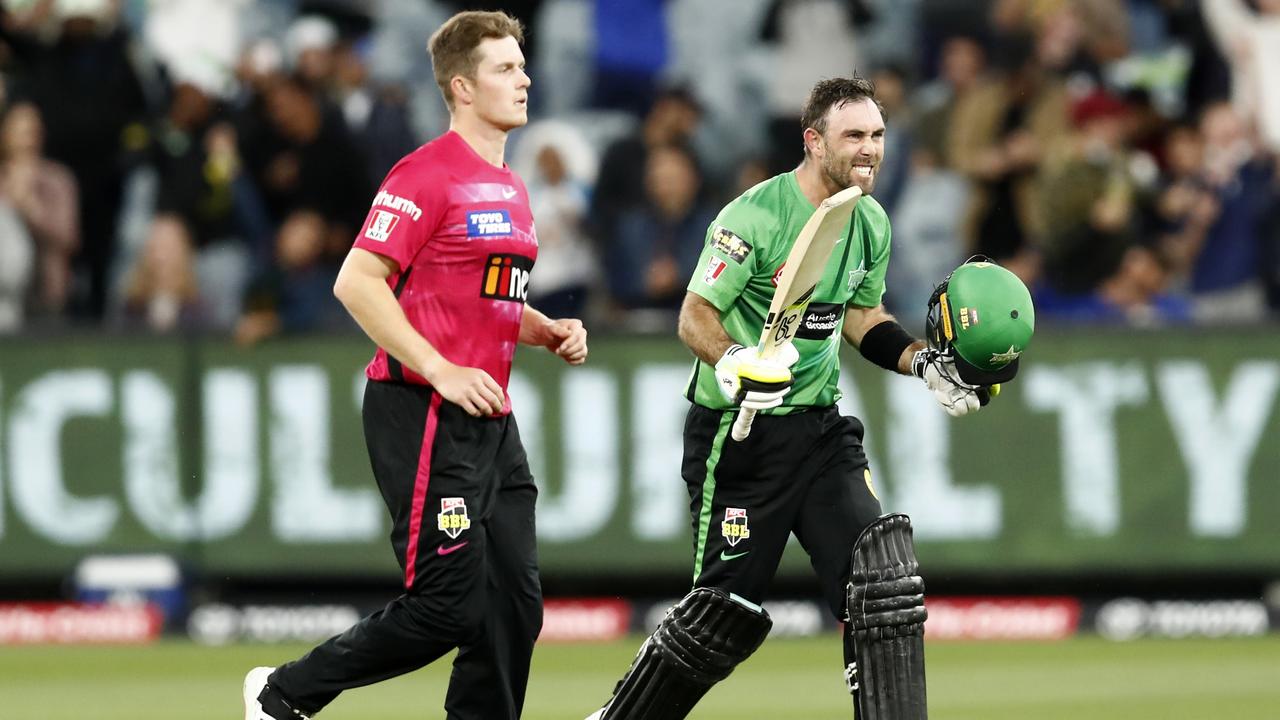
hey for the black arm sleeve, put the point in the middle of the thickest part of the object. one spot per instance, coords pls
(884, 343)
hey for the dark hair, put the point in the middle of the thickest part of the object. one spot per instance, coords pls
(834, 93)
(453, 46)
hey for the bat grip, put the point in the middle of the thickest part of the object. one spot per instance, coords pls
(742, 426)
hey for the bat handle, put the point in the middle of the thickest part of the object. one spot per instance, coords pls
(742, 426)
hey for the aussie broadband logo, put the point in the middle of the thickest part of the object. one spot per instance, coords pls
(506, 277)
(489, 223)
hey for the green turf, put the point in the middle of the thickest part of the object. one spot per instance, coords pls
(786, 680)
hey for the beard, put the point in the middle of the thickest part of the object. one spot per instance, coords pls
(842, 175)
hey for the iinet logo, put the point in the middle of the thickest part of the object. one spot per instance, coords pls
(506, 277)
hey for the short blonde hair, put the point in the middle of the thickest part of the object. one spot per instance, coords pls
(453, 46)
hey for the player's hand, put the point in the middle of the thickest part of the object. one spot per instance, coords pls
(568, 339)
(938, 370)
(752, 382)
(469, 388)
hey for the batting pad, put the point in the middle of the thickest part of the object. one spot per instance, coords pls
(699, 642)
(885, 632)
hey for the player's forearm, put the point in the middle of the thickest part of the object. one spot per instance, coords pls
(375, 309)
(701, 331)
(533, 327)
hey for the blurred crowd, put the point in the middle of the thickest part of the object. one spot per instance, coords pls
(203, 165)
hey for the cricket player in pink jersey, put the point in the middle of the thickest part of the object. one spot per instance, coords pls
(438, 278)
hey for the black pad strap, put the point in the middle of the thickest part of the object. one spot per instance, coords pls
(699, 642)
(885, 631)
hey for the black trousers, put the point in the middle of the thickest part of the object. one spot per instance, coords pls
(804, 473)
(461, 499)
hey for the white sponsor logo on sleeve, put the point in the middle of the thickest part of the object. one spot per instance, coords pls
(397, 203)
(381, 225)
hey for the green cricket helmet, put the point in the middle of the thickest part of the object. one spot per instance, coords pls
(983, 314)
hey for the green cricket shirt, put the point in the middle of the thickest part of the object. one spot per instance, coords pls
(745, 249)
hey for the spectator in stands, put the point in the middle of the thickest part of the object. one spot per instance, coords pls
(197, 163)
(1136, 293)
(891, 92)
(295, 294)
(88, 92)
(1249, 37)
(962, 67)
(1185, 206)
(1226, 275)
(1087, 198)
(1073, 39)
(378, 117)
(558, 166)
(316, 185)
(311, 43)
(17, 265)
(807, 40)
(999, 133)
(161, 292)
(657, 245)
(620, 186)
(316, 164)
(928, 234)
(44, 197)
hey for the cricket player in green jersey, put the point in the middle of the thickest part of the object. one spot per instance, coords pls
(802, 469)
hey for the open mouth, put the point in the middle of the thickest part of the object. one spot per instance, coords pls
(863, 170)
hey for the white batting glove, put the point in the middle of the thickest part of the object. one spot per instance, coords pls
(938, 370)
(752, 382)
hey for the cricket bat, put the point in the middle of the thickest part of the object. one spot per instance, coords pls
(800, 276)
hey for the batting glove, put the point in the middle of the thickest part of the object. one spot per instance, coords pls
(938, 370)
(752, 382)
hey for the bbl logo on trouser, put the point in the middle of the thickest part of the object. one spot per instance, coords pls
(734, 528)
(453, 517)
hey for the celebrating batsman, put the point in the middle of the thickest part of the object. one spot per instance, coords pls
(802, 468)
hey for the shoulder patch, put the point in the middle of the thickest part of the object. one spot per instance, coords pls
(725, 241)
(714, 268)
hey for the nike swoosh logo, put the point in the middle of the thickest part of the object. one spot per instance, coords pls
(508, 193)
(735, 556)
(442, 550)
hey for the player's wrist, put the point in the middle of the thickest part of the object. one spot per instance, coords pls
(433, 367)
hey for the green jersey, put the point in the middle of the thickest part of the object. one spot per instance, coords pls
(745, 249)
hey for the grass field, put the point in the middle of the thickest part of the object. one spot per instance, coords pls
(786, 680)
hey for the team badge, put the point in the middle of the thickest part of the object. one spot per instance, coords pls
(968, 316)
(856, 277)
(714, 267)
(725, 241)
(453, 518)
(734, 528)
(1004, 358)
(381, 225)
(777, 275)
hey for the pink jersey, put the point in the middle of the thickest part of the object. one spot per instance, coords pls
(462, 233)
